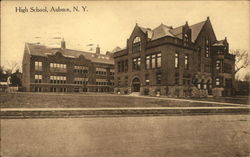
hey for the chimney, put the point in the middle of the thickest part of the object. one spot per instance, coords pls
(97, 49)
(63, 44)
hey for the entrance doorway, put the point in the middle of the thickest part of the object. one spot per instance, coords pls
(136, 85)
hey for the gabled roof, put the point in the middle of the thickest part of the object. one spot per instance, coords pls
(161, 31)
(195, 30)
(147, 31)
(41, 50)
(164, 30)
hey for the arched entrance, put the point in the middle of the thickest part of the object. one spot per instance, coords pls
(136, 85)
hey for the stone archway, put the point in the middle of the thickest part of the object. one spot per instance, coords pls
(136, 84)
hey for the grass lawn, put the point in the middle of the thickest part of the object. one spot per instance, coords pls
(54, 100)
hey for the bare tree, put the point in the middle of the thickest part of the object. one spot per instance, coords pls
(242, 59)
(13, 66)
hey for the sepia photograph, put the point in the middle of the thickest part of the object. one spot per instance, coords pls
(125, 79)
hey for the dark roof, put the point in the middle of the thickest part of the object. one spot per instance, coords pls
(161, 31)
(220, 43)
(41, 50)
(164, 30)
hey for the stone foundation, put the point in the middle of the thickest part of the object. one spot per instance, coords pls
(170, 91)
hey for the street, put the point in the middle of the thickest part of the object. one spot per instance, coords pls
(173, 136)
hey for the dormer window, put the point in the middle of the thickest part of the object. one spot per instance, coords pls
(136, 45)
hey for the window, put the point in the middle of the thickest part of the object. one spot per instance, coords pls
(122, 66)
(207, 49)
(112, 72)
(81, 80)
(126, 66)
(38, 89)
(101, 82)
(158, 60)
(136, 63)
(101, 71)
(56, 67)
(147, 62)
(80, 69)
(136, 45)
(217, 81)
(126, 81)
(176, 78)
(119, 67)
(118, 81)
(218, 65)
(185, 40)
(186, 62)
(176, 64)
(58, 79)
(52, 89)
(38, 78)
(38, 65)
(158, 78)
(153, 60)
(227, 68)
(147, 79)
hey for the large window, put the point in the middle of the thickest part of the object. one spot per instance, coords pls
(158, 60)
(38, 66)
(81, 69)
(186, 62)
(153, 61)
(56, 67)
(101, 82)
(81, 80)
(137, 63)
(101, 71)
(136, 45)
(176, 61)
(58, 79)
(38, 78)
(123, 66)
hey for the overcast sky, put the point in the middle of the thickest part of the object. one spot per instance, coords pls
(110, 23)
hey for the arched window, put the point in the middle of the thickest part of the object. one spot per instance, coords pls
(136, 45)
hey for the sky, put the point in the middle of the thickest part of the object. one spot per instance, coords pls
(110, 23)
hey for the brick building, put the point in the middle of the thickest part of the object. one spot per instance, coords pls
(182, 61)
(64, 70)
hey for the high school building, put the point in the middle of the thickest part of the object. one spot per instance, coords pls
(64, 70)
(182, 61)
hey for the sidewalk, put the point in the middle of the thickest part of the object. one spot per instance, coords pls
(16, 113)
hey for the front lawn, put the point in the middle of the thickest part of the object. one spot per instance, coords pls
(55, 100)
